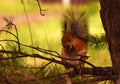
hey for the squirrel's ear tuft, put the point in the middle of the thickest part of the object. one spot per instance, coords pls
(65, 26)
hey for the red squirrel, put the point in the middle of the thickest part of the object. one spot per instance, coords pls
(75, 38)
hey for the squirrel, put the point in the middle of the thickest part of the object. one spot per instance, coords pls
(75, 38)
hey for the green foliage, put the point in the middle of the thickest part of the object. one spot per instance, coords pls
(98, 41)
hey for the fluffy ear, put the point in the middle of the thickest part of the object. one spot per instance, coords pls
(65, 26)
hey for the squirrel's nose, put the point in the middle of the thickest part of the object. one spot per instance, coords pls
(68, 46)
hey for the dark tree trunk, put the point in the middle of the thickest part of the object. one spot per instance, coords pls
(110, 15)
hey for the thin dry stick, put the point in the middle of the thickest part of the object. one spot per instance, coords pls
(29, 26)
(9, 25)
(50, 52)
(40, 8)
(17, 37)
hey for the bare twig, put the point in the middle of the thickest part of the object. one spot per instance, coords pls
(9, 25)
(29, 55)
(45, 65)
(38, 56)
(4, 49)
(38, 1)
(50, 53)
(9, 33)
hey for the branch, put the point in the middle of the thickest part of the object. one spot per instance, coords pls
(40, 8)
(50, 52)
(9, 26)
(106, 72)
(98, 74)
(91, 71)
(23, 55)
(97, 71)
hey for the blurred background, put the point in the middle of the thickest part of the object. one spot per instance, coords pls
(46, 30)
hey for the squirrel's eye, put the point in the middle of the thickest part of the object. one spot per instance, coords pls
(69, 40)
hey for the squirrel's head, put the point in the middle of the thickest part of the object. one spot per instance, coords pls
(67, 41)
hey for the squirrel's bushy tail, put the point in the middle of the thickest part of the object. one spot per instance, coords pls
(75, 22)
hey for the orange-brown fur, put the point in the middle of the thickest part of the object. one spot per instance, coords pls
(72, 47)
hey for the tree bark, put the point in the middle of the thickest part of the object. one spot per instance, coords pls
(110, 15)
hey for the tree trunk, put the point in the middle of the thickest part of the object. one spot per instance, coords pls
(110, 15)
